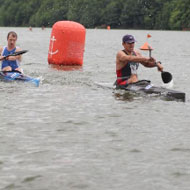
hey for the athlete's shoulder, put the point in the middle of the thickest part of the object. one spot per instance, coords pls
(1, 49)
(18, 49)
(119, 55)
(120, 52)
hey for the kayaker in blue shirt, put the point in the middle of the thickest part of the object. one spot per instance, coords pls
(11, 63)
(127, 62)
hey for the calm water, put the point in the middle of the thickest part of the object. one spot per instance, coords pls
(70, 134)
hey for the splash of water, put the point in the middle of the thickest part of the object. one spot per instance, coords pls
(168, 85)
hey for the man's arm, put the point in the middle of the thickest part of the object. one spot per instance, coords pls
(152, 63)
(1, 57)
(1, 49)
(121, 56)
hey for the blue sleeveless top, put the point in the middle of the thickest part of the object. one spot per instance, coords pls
(13, 64)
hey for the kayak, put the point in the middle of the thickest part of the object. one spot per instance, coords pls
(18, 76)
(145, 87)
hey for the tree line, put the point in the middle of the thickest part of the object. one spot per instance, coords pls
(131, 14)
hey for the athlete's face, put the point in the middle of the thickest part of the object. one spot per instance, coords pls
(129, 47)
(11, 41)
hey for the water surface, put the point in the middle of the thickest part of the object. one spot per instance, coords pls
(70, 133)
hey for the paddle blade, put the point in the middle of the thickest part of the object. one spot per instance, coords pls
(166, 77)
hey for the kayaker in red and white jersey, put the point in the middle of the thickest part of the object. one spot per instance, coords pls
(127, 62)
(11, 63)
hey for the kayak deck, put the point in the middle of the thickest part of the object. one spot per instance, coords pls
(145, 86)
(17, 76)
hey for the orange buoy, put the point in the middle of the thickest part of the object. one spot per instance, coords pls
(67, 43)
(108, 27)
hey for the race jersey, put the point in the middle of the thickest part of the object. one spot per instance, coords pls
(125, 73)
(13, 64)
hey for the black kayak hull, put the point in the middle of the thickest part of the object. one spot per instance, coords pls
(145, 86)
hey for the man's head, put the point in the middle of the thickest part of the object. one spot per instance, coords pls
(13, 34)
(129, 39)
(128, 42)
(12, 38)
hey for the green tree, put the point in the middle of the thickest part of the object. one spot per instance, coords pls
(88, 13)
(132, 15)
(137, 14)
(111, 13)
(180, 15)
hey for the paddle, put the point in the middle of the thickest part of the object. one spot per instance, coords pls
(16, 53)
(166, 77)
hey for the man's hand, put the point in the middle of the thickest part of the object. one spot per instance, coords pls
(12, 58)
(159, 66)
(151, 59)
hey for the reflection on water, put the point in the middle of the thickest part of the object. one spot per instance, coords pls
(133, 96)
(66, 67)
(125, 96)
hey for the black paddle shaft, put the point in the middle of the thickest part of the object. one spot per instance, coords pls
(16, 53)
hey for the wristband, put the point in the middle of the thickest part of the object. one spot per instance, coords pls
(156, 63)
